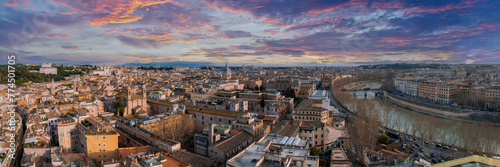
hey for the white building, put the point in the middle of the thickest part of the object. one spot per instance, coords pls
(412, 88)
(102, 70)
(275, 151)
(48, 69)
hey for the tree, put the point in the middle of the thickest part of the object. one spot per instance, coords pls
(314, 151)
(383, 138)
(364, 130)
(119, 106)
(262, 102)
(179, 128)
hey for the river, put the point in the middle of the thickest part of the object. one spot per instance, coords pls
(451, 132)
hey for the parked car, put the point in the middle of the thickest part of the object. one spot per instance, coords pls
(439, 145)
(433, 154)
(446, 147)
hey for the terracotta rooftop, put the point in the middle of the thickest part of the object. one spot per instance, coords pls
(289, 129)
(233, 142)
(194, 159)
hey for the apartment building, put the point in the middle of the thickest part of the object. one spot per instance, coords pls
(205, 116)
(311, 110)
(225, 149)
(282, 84)
(412, 87)
(97, 139)
(68, 136)
(462, 93)
(479, 96)
(437, 91)
(275, 150)
(493, 97)
(251, 125)
(445, 92)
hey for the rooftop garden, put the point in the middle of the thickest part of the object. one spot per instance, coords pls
(86, 123)
(71, 113)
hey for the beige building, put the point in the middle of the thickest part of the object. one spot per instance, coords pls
(339, 158)
(442, 92)
(493, 97)
(67, 136)
(311, 110)
(98, 140)
(251, 125)
(135, 104)
(230, 147)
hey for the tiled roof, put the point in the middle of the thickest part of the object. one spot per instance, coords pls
(234, 141)
(289, 129)
(194, 159)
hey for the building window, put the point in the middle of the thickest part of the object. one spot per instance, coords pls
(104, 144)
(99, 145)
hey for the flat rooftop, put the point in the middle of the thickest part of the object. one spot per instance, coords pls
(250, 156)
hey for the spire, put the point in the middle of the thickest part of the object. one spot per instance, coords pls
(226, 63)
(144, 92)
(128, 93)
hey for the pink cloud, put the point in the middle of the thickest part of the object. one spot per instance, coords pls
(58, 36)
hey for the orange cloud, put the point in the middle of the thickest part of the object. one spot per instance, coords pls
(270, 31)
(119, 11)
(68, 13)
(58, 36)
(392, 40)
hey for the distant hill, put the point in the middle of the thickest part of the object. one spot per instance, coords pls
(172, 63)
(406, 66)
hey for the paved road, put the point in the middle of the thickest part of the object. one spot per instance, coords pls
(336, 104)
(445, 154)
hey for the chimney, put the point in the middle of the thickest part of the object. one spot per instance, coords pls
(211, 134)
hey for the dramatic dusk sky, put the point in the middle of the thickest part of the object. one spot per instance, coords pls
(261, 32)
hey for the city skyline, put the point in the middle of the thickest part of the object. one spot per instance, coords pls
(267, 33)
